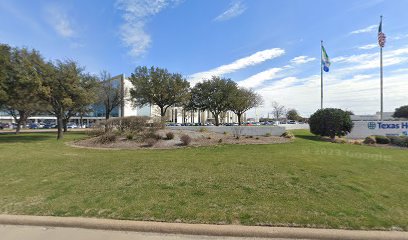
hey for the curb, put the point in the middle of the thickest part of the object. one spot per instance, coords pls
(201, 229)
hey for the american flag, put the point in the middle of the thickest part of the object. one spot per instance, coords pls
(381, 36)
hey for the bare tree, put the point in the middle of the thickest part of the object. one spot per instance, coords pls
(278, 110)
(111, 94)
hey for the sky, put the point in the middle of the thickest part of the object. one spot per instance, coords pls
(271, 46)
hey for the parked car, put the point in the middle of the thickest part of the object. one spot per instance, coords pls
(72, 125)
(49, 126)
(33, 126)
(4, 125)
(291, 122)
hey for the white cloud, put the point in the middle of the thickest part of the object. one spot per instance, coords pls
(368, 46)
(235, 10)
(348, 86)
(136, 13)
(257, 79)
(399, 37)
(302, 59)
(365, 30)
(60, 21)
(241, 63)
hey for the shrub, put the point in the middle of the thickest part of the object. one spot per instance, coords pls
(370, 140)
(129, 136)
(382, 140)
(356, 142)
(237, 132)
(185, 140)
(94, 132)
(150, 142)
(330, 122)
(220, 141)
(288, 135)
(133, 124)
(169, 135)
(257, 138)
(399, 141)
(225, 133)
(340, 140)
(203, 130)
(401, 112)
(106, 138)
(268, 134)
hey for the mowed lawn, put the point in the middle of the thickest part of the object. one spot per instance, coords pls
(304, 183)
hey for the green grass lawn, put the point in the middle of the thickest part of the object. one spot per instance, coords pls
(304, 183)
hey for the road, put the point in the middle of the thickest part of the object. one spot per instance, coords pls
(13, 232)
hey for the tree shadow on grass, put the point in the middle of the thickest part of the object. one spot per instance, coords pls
(310, 137)
(24, 137)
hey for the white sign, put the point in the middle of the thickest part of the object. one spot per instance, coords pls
(364, 129)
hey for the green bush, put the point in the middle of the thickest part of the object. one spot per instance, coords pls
(268, 134)
(399, 141)
(129, 136)
(401, 112)
(288, 135)
(203, 129)
(382, 139)
(169, 135)
(370, 140)
(330, 122)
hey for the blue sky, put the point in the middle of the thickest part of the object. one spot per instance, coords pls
(270, 46)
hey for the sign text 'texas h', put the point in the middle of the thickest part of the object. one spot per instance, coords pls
(384, 125)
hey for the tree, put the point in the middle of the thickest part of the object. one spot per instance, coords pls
(110, 94)
(277, 110)
(330, 122)
(62, 86)
(350, 112)
(401, 112)
(293, 114)
(156, 86)
(214, 95)
(242, 100)
(83, 97)
(5, 67)
(23, 84)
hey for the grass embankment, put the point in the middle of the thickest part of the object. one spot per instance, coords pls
(304, 183)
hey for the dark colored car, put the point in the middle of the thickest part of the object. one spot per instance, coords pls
(33, 126)
(49, 126)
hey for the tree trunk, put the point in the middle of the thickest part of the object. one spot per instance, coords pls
(60, 124)
(65, 122)
(21, 121)
(217, 120)
(239, 118)
(18, 128)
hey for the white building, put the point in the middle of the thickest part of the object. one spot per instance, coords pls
(387, 116)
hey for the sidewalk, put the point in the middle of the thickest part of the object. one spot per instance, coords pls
(13, 232)
(201, 229)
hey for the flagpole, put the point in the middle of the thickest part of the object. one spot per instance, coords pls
(321, 74)
(381, 78)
